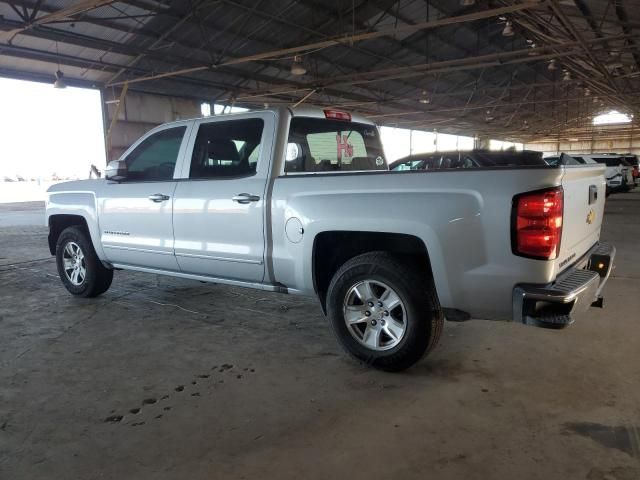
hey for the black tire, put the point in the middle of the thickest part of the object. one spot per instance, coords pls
(97, 278)
(424, 317)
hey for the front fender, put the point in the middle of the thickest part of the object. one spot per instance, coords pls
(80, 203)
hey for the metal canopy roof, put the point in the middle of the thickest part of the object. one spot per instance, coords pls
(378, 57)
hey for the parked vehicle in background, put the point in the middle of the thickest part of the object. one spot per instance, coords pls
(470, 159)
(301, 201)
(634, 161)
(619, 173)
(563, 159)
(628, 173)
(631, 181)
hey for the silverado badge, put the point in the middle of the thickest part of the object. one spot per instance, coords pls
(591, 217)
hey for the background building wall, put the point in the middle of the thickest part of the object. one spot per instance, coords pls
(613, 139)
(140, 113)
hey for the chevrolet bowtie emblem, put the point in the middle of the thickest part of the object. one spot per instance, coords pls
(591, 217)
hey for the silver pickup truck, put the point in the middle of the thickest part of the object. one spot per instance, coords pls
(301, 201)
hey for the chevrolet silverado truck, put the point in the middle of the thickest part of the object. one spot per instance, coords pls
(301, 201)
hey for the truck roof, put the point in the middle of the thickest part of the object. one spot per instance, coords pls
(310, 112)
(316, 112)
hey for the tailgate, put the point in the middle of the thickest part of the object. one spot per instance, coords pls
(584, 195)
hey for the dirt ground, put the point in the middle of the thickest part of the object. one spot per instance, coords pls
(172, 379)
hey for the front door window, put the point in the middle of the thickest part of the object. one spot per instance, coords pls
(155, 158)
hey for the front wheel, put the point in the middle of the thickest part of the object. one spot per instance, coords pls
(383, 311)
(79, 268)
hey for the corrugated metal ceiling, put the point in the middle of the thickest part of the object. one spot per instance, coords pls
(474, 81)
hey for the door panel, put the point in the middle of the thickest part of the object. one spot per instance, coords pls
(216, 235)
(136, 215)
(136, 230)
(219, 212)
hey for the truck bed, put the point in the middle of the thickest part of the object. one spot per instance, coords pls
(462, 216)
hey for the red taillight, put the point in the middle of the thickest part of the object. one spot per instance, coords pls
(635, 171)
(537, 224)
(335, 114)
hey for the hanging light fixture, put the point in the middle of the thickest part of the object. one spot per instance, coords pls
(566, 75)
(297, 68)
(59, 82)
(467, 3)
(508, 30)
(552, 64)
(424, 98)
(587, 92)
(488, 118)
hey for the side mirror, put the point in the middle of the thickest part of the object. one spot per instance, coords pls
(116, 170)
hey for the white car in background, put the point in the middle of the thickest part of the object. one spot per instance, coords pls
(634, 162)
(619, 173)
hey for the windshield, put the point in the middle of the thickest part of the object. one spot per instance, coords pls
(322, 145)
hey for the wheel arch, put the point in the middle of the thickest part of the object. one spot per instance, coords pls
(59, 222)
(331, 249)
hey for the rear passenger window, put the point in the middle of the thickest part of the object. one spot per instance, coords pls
(467, 162)
(323, 145)
(226, 149)
(334, 147)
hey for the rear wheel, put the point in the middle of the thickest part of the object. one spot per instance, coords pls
(79, 268)
(383, 311)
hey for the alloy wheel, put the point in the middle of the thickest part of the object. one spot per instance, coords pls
(375, 315)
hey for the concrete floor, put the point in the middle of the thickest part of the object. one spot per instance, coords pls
(20, 214)
(170, 379)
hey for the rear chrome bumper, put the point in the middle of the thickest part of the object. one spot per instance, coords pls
(555, 305)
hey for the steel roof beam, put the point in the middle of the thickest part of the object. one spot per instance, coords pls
(349, 39)
(622, 15)
(64, 13)
(574, 32)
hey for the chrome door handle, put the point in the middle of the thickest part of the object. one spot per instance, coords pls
(245, 198)
(158, 197)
